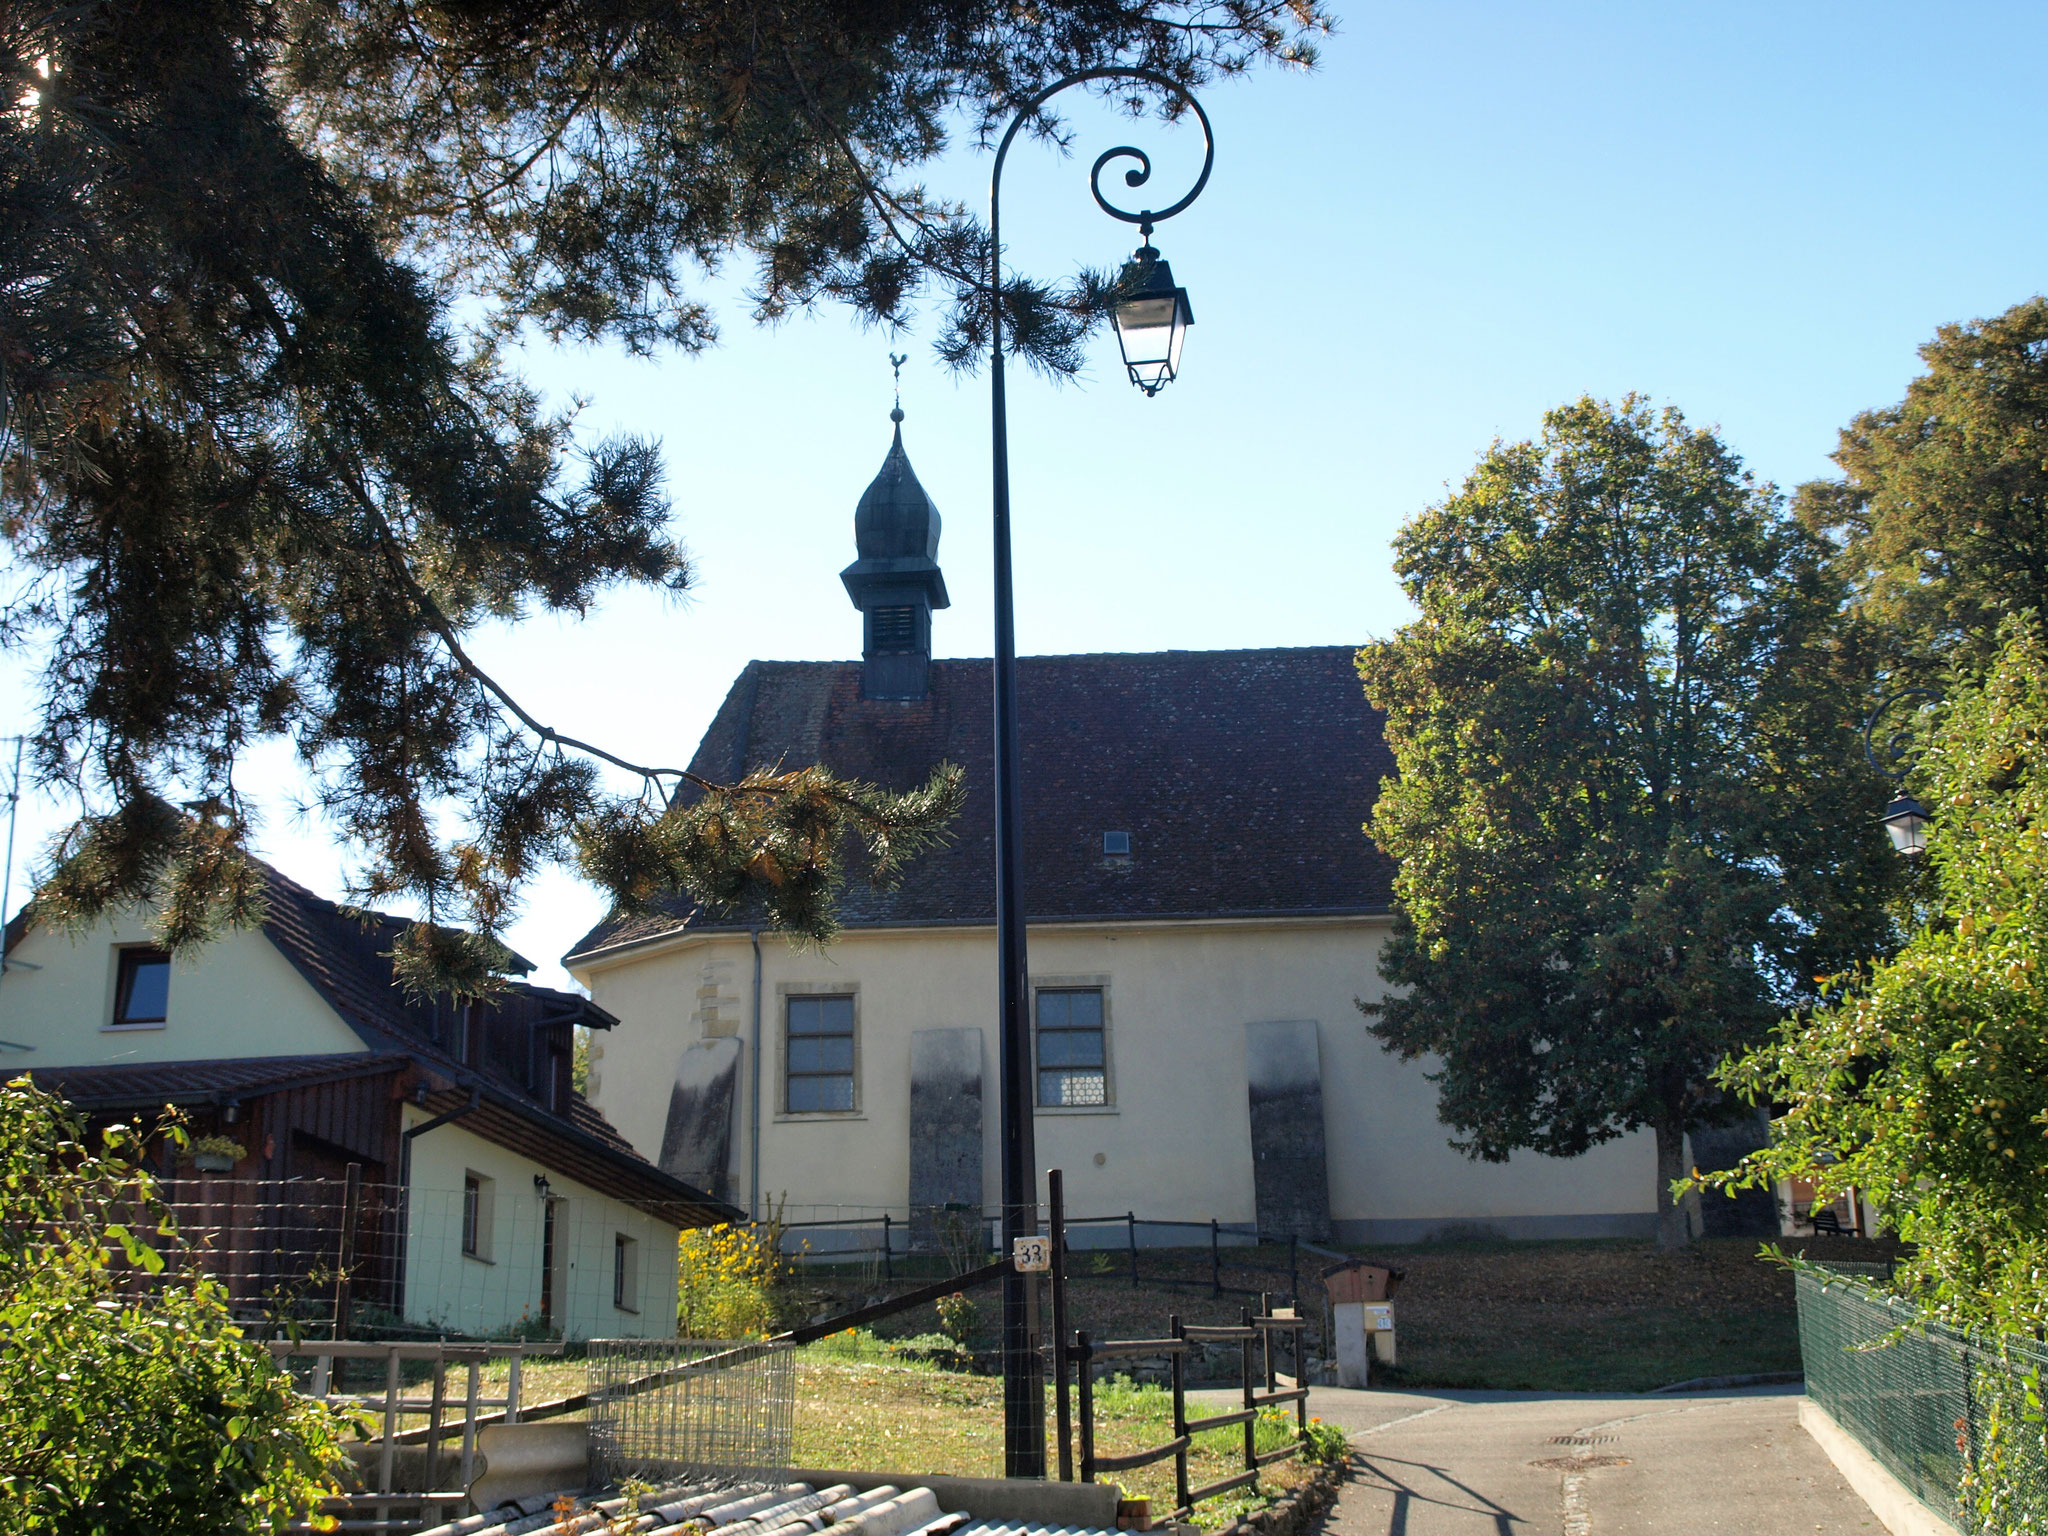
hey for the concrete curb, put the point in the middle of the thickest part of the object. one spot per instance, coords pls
(1889, 1499)
(1723, 1383)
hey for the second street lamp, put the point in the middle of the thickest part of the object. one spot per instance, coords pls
(1905, 819)
(1023, 1384)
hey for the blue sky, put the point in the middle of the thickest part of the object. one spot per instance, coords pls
(1470, 213)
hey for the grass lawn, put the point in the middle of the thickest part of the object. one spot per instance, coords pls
(1612, 1315)
(1615, 1316)
(859, 1408)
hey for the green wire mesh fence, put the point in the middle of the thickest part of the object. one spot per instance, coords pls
(1957, 1420)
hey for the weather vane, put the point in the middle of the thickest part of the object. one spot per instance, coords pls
(896, 362)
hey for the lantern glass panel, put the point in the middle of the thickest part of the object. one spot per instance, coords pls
(1906, 820)
(1148, 331)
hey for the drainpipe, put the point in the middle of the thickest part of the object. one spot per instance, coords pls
(754, 1118)
(404, 1224)
(405, 1143)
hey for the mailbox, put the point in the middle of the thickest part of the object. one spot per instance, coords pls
(1361, 1317)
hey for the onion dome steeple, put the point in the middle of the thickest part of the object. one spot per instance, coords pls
(896, 582)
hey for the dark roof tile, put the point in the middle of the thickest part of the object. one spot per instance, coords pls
(128, 1085)
(1242, 777)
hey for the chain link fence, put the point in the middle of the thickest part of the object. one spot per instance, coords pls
(1957, 1420)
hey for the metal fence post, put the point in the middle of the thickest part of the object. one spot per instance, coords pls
(888, 1259)
(434, 1412)
(469, 1424)
(388, 1458)
(1244, 1374)
(1266, 1340)
(1293, 1270)
(1215, 1257)
(1300, 1332)
(345, 1253)
(1132, 1218)
(1085, 1374)
(1180, 1415)
(1056, 1200)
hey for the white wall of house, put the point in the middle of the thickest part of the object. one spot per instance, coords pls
(1175, 1140)
(236, 997)
(501, 1285)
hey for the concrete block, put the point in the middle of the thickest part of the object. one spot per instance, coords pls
(1020, 1501)
(520, 1460)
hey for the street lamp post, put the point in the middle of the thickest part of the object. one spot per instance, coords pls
(1152, 319)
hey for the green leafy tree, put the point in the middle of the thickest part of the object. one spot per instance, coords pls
(1922, 1080)
(1630, 817)
(1942, 511)
(129, 1400)
(257, 484)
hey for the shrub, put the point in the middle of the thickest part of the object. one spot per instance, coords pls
(730, 1281)
(958, 1317)
(129, 1400)
(1325, 1444)
(1923, 1081)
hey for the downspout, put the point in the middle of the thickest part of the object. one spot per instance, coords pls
(754, 1117)
(405, 1177)
(405, 1140)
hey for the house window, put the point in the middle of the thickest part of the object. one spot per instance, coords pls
(625, 1273)
(142, 992)
(478, 1206)
(1071, 1065)
(818, 1075)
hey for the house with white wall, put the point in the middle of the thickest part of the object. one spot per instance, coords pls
(490, 1194)
(1204, 915)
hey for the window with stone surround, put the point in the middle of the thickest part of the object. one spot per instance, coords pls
(1072, 1064)
(818, 1054)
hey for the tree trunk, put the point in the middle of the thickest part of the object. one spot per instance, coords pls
(1673, 1230)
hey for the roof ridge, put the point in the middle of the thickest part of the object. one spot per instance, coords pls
(1235, 650)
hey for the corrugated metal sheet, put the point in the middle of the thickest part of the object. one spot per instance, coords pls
(744, 1512)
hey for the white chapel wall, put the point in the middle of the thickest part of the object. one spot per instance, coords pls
(1174, 1143)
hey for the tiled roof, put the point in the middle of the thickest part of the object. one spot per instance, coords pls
(1242, 778)
(153, 1084)
(342, 955)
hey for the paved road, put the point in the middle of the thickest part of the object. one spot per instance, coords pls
(1537, 1464)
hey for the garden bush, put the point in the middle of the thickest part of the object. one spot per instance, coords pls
(1922, 1082)
(129, 1400)
(730, 1281)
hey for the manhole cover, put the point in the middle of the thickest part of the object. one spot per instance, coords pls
(1578, 1463)
(1582, 1439)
